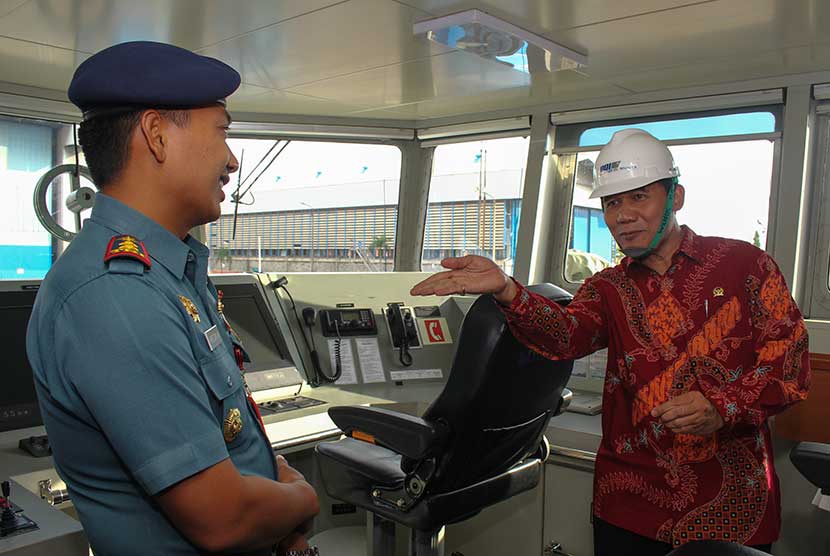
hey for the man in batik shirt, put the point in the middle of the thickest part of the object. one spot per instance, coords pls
(704, 343)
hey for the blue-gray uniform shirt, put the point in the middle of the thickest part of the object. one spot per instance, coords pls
(132, 395)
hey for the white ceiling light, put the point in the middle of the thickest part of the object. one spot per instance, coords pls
(490, 37)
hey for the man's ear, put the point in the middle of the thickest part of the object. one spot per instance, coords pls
(154, 132)
(679, 197)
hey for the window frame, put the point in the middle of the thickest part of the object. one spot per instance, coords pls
(564, 156)
(817, 287)
(434, 143)
(328, 134)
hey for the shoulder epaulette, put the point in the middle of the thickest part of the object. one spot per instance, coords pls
(127, 247)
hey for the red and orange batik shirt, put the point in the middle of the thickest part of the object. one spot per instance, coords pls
(720, 321)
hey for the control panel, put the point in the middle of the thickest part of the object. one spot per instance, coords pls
(348, 322)
(12, 520)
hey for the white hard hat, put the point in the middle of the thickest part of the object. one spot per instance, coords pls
(632, 159)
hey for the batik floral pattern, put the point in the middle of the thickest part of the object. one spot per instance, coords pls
(720, 321)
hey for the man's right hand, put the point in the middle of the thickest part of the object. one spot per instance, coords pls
(287, 474)
(470, 274)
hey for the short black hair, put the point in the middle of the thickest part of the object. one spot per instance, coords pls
(667, 183)
(105, 141)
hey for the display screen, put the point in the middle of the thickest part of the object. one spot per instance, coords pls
(346, 316)
(248, 314)
(18, 400)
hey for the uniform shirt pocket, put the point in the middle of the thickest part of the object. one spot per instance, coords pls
(228, 399)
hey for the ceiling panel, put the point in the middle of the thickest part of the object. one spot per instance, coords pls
(712, 31)
(774, 62)
(567, 86)
(449, 75)
(6, 6)
(360, 58)
(262, 100)
(37, 65)
(91, 26)
(342, 39)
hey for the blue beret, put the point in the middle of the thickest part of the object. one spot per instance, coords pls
(142, 74)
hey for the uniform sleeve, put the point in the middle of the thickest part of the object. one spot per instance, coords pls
(558, 332)
(780, 374)
(124, 348)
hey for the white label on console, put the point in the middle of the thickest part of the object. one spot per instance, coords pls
(368, 354)
(416, 374)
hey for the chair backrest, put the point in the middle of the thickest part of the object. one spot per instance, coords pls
(498, 398)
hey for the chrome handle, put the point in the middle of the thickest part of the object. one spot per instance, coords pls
(56, 494)
(573, 453)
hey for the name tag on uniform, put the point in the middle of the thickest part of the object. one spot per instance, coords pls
(214, 340)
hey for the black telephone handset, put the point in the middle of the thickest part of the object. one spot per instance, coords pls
(310, 317)
(403, 331)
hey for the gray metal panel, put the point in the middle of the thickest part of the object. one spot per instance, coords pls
(787, 215)
(416, 171)
(531, 246)
(816, 293)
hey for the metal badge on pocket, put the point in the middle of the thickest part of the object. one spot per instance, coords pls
(233, 425)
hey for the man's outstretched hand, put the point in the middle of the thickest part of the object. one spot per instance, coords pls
(470, 274)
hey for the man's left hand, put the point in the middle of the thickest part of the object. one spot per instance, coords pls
(689, 413)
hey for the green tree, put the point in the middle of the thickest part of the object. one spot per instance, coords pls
(223, 256)
(380, 242)
(756, 240)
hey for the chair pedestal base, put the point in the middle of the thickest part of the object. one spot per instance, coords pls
(421, 543)
(383, 535)
(427, 543)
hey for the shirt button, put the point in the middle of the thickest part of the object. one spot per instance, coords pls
(230, 381)
(191, 257)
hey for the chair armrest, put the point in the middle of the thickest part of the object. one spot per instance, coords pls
(564, 402)
(404, 434)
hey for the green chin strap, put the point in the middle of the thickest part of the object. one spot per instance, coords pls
(640, 253)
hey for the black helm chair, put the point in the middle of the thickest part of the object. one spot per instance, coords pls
(812, 459)
(480, 442)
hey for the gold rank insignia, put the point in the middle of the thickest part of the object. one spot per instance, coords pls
(233, 425)
(718, 292)
(129, 247)
(191, 309)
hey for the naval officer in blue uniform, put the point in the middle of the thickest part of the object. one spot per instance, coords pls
(135, 366)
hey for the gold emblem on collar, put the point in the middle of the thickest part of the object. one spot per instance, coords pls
(191, 309)
(717, 292)
(232, 425)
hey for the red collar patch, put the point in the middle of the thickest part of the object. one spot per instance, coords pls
(127, 247)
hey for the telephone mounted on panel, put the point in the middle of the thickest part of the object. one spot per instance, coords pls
(402, 330)
(336, 323)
